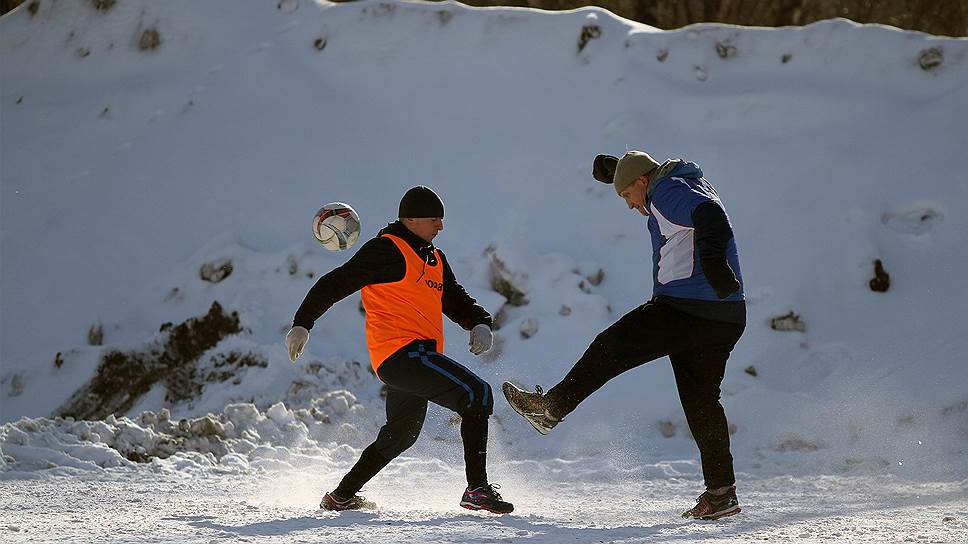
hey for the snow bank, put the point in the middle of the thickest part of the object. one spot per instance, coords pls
(240, 438)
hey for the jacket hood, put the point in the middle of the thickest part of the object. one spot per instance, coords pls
(686, 169)
(678, 168)
(673, 168)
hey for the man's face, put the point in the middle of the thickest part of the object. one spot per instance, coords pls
(634, 195)
(425, 227)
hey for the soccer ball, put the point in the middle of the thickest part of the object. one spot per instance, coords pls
(336, 226)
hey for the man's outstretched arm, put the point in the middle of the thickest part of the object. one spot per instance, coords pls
(458, 306)
(377, 261)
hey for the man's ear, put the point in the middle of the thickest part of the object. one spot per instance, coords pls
(603, 168)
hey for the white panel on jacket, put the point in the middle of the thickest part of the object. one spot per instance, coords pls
(677, 255)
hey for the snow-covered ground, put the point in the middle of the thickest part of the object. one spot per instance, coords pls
(146, 144)
(555, 502)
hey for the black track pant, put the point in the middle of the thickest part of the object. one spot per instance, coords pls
(414, 375)
(698, 349)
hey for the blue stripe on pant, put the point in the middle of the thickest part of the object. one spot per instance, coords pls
(479, 398)
(414, 375)
(417, 374)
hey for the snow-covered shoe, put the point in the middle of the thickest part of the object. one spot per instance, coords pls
(531, 405)
(710, 506)
(334, 502)
(487, 498)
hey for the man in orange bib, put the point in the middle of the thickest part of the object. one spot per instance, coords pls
(407, 286)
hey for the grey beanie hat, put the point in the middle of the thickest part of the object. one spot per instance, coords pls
(631, 167)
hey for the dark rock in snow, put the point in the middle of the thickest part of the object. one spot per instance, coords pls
(881, 281)
(931, 58)
(788, 322)
(216, 271)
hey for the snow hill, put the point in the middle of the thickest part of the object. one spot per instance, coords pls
(148, 144)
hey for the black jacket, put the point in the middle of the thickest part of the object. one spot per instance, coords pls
(379, 261)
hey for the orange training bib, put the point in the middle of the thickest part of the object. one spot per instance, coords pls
(410, 309)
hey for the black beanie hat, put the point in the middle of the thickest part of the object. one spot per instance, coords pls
(421, 201)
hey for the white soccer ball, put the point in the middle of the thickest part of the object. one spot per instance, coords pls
(336, 226)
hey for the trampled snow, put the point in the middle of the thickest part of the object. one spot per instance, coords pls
(145, 140)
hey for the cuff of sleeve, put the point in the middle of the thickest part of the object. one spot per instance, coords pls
(720, 277)
(307, 326)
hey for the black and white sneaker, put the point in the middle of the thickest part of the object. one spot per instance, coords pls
(531, 405)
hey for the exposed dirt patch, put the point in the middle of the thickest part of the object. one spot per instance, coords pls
(929, 59)
(881, 281)
(216, 271)
(788, 322)
(725, 49)
(150, 40)
(503, 279)
(122, 378)
(95, 335)
(588, 33)
(796, 443)
(103, 5)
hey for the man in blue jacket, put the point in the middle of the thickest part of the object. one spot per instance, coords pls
(696, 315)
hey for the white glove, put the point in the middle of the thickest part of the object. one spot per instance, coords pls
(296, 341)
(481, 339)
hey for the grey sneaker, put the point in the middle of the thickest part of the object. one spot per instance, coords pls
(531, 405)
(712, 506)
(356, 502)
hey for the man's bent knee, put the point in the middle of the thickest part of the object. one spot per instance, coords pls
(391, 443)
(481, 404)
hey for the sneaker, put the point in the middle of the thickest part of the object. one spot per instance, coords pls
(334, 502)
(710, 506)
(531, 406)
(487, 498)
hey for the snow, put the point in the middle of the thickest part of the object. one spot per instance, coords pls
(125, 171)
(557, 502)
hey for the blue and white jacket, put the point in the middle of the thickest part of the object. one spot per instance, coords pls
(671, 200)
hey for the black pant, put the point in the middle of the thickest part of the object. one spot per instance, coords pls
(698, 349)
(414, 375)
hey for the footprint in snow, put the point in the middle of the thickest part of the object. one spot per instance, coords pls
(288, 6)
(914, 220)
